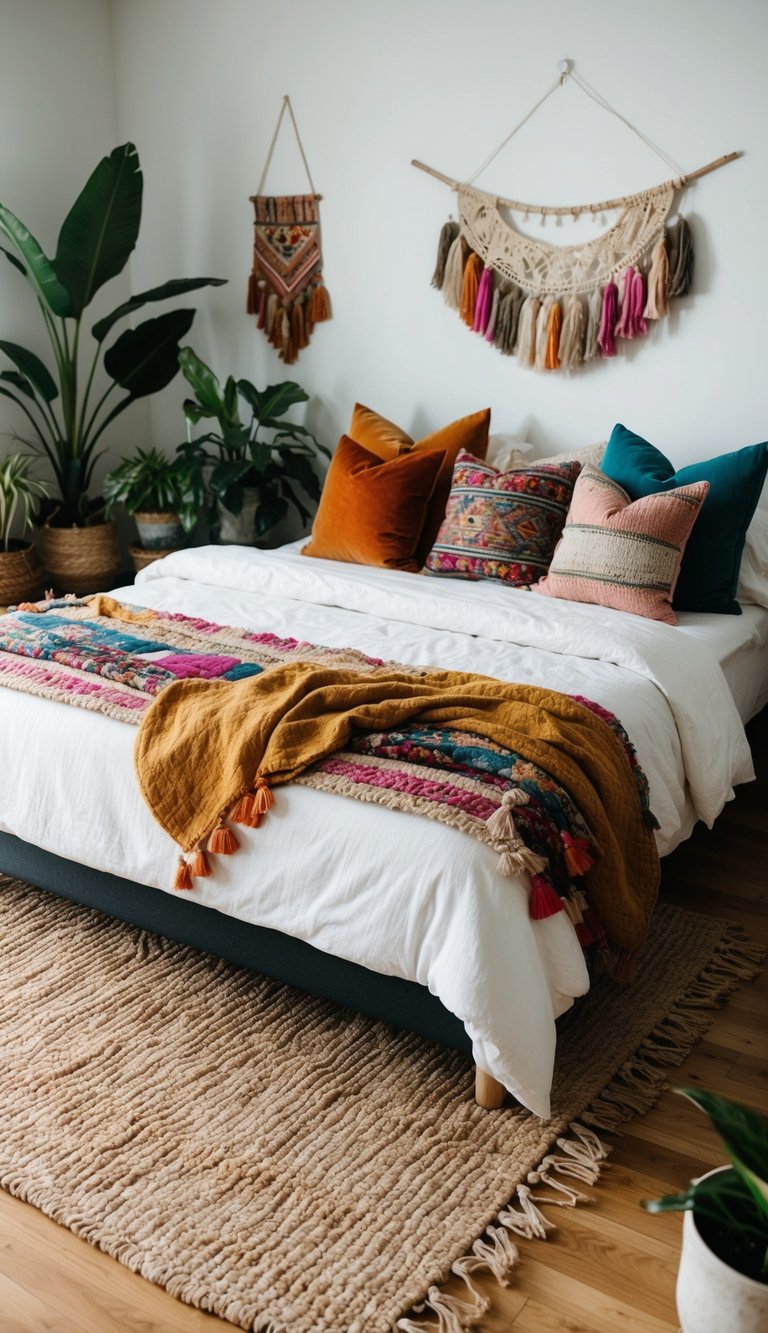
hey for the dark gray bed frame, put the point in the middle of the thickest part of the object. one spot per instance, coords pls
(403, 1003)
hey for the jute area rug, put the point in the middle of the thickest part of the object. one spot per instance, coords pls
(283, 1162)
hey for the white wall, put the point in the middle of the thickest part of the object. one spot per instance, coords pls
(375, 84)
(57, 119)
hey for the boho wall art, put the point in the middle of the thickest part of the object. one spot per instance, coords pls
(286, 292)
(557, 307)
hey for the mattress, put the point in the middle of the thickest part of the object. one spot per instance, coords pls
(388, 890)
(740, 645)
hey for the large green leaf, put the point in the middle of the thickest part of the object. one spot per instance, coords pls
(145, 359)
(40, 272)
(174, 287)
(202, 380)
(745, 1136)
(274, 401)
(32, 368)
(11, 257)
(102, 226)
(19, 382)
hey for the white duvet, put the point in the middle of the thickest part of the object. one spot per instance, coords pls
(398, 894)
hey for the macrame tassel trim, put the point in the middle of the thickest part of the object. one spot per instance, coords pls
(578, 858)
(183, 877)
(578, 1155)
(543, 901)
(222, 841)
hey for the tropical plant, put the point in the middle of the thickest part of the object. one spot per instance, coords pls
(96, 239)
(149, 482)
(258, 449)
(18, 491)
(730, 1207)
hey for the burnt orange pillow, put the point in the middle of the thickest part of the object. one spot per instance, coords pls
(387, 440)
(372, 512)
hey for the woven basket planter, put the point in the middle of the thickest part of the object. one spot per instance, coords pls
(21, 576)
(141, 557)
(81, 560)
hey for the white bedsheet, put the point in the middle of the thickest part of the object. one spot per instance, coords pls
(383, 888)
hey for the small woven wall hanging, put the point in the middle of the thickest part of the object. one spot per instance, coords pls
(557, 307)
(286, 292)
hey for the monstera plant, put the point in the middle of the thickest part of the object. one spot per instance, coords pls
(70, 402)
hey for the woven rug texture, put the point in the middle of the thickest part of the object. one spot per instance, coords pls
(282, 1161)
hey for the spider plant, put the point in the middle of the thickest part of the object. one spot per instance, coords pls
(67, 414)
(19, 489)
(730, 1206)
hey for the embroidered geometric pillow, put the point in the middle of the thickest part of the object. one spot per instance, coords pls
(623, 554)
(502, 525)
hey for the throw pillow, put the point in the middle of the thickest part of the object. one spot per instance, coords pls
(502, 525)
(710, 570)
(623, 554)
(370, 512)
(387, 440)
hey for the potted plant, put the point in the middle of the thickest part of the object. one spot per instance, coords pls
(722, 1283)
(253, 462)
(164, 497)
(21, 573)
(67, 411)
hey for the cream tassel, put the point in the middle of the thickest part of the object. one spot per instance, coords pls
(594, 315)
(453, 276)
(572, 334)
(657, 304)
(542, 333)
(526, 330)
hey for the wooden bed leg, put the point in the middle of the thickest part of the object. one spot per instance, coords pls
(489, 1093)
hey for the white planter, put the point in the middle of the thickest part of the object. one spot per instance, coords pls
(711, 1297)
(239, 528)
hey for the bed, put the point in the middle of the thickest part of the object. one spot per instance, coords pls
(390, 913)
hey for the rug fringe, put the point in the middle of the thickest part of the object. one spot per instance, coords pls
(633, 1090)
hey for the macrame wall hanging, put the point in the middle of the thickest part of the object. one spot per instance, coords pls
(557, 307)
(285, 290)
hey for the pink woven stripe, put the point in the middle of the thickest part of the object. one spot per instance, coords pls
(393, 778)
(68, 684)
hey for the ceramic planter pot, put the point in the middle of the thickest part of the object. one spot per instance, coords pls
(711, 1296)
(159, 532)
(239, 528)
(81, 560)
(21, 574)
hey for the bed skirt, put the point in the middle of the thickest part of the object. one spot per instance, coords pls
(403, 1003)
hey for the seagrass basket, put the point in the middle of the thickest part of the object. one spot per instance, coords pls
(81, 560)
(142, 557)
(21, 576)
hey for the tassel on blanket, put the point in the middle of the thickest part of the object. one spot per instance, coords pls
(501, 824)
(469, 289)
(543, 901)
(222, 841)
(263, 800)
(577, 855)
(199, 865)
(448, 234)
(657, 303)
(183, 877)
(244, 811)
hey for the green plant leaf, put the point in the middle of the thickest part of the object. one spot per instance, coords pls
(19, 382)
(194, 411)
(745, 1137)
(174, 287)
(13, 260)
(270, 512)
(273, 402)
(202, 380)
(40, 273)
(145, 359)
(32, 368)
(102, 226)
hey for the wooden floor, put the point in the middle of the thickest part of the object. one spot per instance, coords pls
(610, 1265)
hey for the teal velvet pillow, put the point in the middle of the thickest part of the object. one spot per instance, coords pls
(710, 569)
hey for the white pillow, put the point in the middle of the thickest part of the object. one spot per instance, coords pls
(505, 453)
(753, 574)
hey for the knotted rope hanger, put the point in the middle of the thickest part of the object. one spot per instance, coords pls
(677, 182)
(286, 106)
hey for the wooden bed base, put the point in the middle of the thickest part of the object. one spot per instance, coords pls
(403, 1003)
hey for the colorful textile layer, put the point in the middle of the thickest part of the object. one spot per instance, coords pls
(502, 525)
(227, 715)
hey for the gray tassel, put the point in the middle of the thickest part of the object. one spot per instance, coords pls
(507, 318)
(448, 235)
(680, 250)
(594, 313)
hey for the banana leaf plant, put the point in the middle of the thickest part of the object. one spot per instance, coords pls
(66, 412)
(254, 445)
(731, 1207)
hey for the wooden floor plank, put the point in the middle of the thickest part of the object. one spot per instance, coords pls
(610, 1265)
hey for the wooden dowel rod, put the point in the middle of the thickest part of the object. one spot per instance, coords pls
(575, 209)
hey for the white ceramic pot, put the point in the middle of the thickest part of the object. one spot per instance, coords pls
(239, 528)
(711, 1297)
(159, 531)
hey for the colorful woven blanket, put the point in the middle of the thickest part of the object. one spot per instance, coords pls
(227, 715)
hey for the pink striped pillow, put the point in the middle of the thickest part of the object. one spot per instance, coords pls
(623, 554)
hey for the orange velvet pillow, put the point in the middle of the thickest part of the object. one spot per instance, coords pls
(372, 512)
(387, 440)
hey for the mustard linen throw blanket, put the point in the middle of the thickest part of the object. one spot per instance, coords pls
(209, 751)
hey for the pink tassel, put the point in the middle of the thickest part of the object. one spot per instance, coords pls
(623, 327)
(606, 336)
(638, 295)
(543, 900)
(577, 855)
(484, 301)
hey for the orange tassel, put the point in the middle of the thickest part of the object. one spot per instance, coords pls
(183, 878)
(319, 304)
(245, 812)
(252, 302)
(222, 841)
(263, 799)
(577, 857)
(199, 866)
(469, 288)
(298, 327)
(551, 359)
